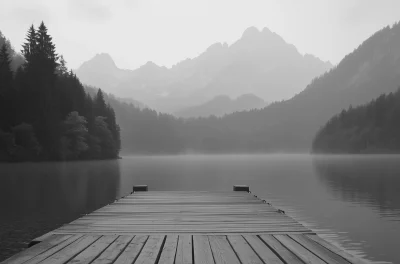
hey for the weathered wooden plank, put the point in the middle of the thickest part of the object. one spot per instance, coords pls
(322, 252)
(202, 250)
(222, 250)
(53, 250)
(280, 250)
(169, 250)
(301, 252)
(40, 239)
(184, 250)
(151, 250)
(131, 252)
(36, 250)
(243, 250)
(71, 250)
(336, 250)
(262, 250)
(94, 250)
(113, 251)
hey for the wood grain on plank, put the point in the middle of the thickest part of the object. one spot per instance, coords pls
(184, 250)
(336, 250)
(322, 252)
(262, 250)
(202, 250)
(37, 249)
(169, 250)
(71, 250)
(94, 250)
(113, 251)
(222, 250)
(53, 250)
(280, 250)
(243, 250)
(132, 251)
(304, 254)
(151, 250)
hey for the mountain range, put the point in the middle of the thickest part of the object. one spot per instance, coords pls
(260, 63)
(370, 70)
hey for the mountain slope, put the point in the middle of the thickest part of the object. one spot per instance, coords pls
(372, 69)
(101, 71)
(221, 105)
(260, 62)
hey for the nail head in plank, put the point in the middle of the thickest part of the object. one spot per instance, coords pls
(184, 250)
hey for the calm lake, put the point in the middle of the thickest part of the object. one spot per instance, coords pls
(354, 201)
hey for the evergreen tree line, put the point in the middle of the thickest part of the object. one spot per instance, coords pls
(45, 113)
(370, 128)
(145, 131)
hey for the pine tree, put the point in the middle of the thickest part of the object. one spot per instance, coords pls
(62, 67)
(29, 47)
(100, 107)
(46, 49)
(6, 90)
(6, 75)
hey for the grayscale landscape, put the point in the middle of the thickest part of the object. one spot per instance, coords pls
(297, 100)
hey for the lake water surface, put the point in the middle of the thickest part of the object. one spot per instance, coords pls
(353, 201)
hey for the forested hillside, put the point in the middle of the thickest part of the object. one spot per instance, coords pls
(222, 105)
(373, 127)
(45, 113)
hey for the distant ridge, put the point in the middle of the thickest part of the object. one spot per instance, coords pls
(101, 71)
(260, 63)
(222, 105)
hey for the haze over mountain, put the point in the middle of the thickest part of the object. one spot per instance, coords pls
(371, 70)
(221, 105)
(101, 71)
(260, 62)
(16, 58)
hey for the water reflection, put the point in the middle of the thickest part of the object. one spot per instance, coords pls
(37, 198)
(368, 180)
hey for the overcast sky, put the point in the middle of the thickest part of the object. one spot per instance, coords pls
(167, 31)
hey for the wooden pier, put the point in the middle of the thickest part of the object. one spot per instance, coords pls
(184, 227)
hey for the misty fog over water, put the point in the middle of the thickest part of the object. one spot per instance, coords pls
(347, 198)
